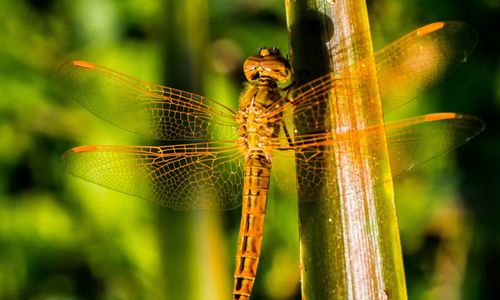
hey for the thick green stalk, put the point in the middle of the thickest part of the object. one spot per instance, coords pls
(191, 242)
(350, 246)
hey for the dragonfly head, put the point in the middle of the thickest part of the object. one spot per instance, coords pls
(268, 63)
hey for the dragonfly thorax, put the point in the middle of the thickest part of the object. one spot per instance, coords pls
(256, 131)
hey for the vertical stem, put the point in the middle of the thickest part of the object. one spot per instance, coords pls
(191, 243)
(350, 246)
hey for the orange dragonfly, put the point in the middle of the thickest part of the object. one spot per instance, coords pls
(220, 158)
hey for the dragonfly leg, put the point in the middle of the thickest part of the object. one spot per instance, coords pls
(287, 134)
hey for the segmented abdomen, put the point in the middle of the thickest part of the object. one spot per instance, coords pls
(255, 191)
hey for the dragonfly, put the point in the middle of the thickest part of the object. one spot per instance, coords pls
(218, 158)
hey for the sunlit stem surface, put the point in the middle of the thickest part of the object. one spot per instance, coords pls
(350, 245)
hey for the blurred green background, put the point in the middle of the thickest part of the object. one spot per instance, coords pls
(63, 238)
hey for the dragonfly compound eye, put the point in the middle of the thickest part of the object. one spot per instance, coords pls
(277, 67)
(252, 67)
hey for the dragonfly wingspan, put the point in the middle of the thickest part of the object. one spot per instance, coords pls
(405, 68)
(151, 110)
(198, 176)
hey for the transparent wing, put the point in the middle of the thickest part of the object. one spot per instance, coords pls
(147, 109)
(410, 142)
(414, 141)
(421, 58)
(197, 176)
(405, 69)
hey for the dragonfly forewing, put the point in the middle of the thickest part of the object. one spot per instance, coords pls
(151, 110)
(420, 59)
(405, 69)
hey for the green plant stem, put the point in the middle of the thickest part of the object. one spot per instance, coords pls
(191, 243)
(350, 246)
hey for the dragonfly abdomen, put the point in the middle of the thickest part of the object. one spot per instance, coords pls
(255, 191)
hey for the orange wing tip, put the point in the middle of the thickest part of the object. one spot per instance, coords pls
(440, 116)
(430, 28)
(83, 64)
(84, 149)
